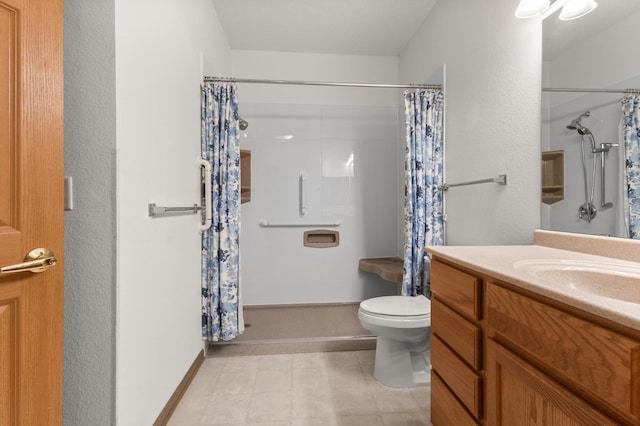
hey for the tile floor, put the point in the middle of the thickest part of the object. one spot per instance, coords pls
(325, 388)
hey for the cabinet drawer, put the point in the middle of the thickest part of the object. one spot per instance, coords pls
(445, 408)
(459, 290)
(601, 364)
(461, 379)
(462, 336)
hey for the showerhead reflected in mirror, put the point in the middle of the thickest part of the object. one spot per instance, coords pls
(576, 124)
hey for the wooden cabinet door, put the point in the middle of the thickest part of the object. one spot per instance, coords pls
(519, 394)
(31, 210)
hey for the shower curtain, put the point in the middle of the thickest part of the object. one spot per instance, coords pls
(423, 174)
(631, 141)
(221, 304)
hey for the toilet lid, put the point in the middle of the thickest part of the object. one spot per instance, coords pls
(397, 306)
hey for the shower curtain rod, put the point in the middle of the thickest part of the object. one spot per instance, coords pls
(322, 83)
(565, 89)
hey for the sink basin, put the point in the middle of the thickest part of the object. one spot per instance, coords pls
(614, 281)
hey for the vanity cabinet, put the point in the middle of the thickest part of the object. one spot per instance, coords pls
(456, 346)
(502, 355)
(585, 373)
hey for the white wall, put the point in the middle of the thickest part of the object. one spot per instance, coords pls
(90, 253)
(492, 115)
(601, 61)
(327, 125)
(159, 45)
(315, 67)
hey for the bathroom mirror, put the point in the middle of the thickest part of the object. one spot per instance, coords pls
(595, 51)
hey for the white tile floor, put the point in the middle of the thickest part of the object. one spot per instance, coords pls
(328, 388)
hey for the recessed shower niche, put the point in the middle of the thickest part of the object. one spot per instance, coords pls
(245, 175)
(321, 238)
(552, 176)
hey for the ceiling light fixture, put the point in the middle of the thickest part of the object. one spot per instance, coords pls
(575, 9)
(531, 8)
(571, 9)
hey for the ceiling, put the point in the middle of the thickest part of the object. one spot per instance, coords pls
(559, 36)
(353, 27)
(373, 27)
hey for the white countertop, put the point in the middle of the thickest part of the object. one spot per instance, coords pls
(499, 262)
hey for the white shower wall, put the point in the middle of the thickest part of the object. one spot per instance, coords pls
(604, 123)
(327, 125)
(348, 155)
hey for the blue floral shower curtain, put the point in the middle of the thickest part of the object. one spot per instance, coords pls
(221, 304)
(631, 141)
(423, 174)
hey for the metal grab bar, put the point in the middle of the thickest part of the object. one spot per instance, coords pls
(604, 149)
(303, 194)
(155, 210)
(267, 224)
(207, 217)
(160, 211)
(501, 179)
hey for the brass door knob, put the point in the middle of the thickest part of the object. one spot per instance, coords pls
(37, 260)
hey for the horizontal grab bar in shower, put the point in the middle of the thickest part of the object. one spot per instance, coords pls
(267, 224)
(501, 179)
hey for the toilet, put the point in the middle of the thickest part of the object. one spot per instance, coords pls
(402, 325)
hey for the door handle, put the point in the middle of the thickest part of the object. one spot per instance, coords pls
(37, 260)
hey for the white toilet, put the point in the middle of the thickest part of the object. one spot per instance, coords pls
(402, 325)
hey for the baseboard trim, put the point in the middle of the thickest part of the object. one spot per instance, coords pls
(177, 395)
(290, 346)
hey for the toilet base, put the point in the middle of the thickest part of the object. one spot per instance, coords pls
(401, 364)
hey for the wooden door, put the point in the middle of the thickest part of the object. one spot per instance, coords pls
(31, 210)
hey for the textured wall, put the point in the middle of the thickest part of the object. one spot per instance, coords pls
(492, 115)
(90, 141)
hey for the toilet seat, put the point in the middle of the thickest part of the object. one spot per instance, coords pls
(394, 306)
(397, 311)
